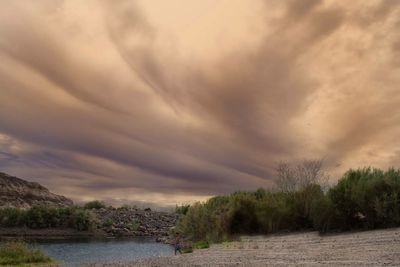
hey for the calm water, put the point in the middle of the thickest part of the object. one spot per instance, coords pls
(78, 252)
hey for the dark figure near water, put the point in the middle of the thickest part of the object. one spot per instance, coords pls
(177, 243)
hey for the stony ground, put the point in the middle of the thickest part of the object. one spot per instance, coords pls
(130, 221)
(371, 248)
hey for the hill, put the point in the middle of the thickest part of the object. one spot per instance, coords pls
(18, 193)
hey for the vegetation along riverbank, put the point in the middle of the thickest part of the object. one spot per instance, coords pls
(19, 254)
(92, 220)
(362, 199)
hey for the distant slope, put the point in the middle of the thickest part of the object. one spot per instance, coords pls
(15, 192)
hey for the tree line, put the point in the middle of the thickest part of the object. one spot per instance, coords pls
(41, 216)
(366, 198)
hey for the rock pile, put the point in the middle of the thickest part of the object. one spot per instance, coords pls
(131, 221)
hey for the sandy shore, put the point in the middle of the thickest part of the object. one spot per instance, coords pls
(371, 248)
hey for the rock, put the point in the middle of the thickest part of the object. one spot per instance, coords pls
(136, 222)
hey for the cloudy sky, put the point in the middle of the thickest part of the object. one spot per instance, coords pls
(174, 101)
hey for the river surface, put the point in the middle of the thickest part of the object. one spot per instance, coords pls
(82, 252)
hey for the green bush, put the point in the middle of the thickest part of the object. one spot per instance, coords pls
(39, 217)
(17, 253)
(243, 218)
(182, 209)
(11, 217)
(134, 225)
(81, 220)
(95, 204)
(43, 217)
(250, 213)
(201, 244)
(274, 212)
(108, 222)
(368, 198)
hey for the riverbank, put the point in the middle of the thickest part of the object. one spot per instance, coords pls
(107, 222)
(369, 248)
(11, 233)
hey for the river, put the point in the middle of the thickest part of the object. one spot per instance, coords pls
(81, 252)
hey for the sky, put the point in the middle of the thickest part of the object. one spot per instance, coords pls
(175, 101)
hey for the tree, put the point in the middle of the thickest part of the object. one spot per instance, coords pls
(286, 179)
(300, 176)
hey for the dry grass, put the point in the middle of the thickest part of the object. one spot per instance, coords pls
(18, 254)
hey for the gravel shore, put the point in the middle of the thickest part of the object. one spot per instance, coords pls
(370, 248)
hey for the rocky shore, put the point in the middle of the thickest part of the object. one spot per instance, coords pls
(131, 221)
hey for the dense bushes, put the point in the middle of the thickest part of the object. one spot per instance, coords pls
(368, 198)
(362, 199)
(39, 217)
(250, 213)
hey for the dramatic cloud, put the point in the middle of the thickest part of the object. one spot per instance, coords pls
(173, 101)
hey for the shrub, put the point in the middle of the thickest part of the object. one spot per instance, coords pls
(273, 213)
(44, 217)
(82, 220)
(368, 198)
(201, 245)
(95, 204)
(17, 253)
(39, 217)
(192, 224)
(11, 217)
(183, 209)
(324, 215)
(108, 222)
(243, 214)
(134, 225)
